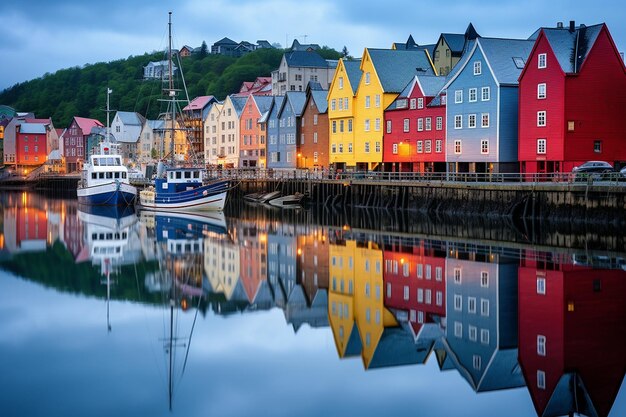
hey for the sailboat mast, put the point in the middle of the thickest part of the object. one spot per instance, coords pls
(109, 91)
(172, 93)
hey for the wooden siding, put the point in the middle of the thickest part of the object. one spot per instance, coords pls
(308, 130)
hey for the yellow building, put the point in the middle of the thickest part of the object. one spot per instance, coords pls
(341, 113)
(384, 74)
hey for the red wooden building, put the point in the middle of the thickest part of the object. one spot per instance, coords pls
(31, 141)
(415, 132)
(572, 100)
(75, 142)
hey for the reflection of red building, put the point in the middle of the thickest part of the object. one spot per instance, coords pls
(572, 334)
(414, 282)
(253, 258)
(25, 224)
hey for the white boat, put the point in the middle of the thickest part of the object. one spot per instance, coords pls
(104, 179)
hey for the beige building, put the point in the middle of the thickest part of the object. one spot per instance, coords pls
(297, 68)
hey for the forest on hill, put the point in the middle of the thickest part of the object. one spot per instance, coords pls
(81, 91)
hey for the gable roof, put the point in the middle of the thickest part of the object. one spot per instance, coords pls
(320, 98)
(263, 103)
(238, 103)
(297, 46)
(307, 59)
(353, 71)
(296, 99)
(430, 86)
(226, 41)
(395, 67)
(499, 55)
(86, 124)
(33, 128)
(572, 48)
(129, 118)
(199, 102)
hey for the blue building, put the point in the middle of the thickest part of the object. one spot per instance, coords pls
(287, 115)
(482, 107)
(271, 119)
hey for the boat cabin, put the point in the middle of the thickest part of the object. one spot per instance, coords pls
(179, 179)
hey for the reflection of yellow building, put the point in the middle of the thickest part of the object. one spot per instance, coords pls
(221, 265)
(341, 298)
(357, 314)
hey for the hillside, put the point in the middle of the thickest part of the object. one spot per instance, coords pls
(82, 91)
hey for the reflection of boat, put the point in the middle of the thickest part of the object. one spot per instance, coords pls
(182, 225)
(104, 180)
(107, 232)
(289, 201)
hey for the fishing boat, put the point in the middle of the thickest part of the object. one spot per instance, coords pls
(181, 188)
(104, 179)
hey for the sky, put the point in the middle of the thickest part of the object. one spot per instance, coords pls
(41, 36)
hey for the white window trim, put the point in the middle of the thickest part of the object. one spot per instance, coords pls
(545, 91)
(545, 61)
(458, 96)
(545, 145)
(478, 68)
(481, 120)
(469, 95)
(469, 119)
(458, 117)
(482, 142)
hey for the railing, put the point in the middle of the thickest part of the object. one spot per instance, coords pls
(614, 178)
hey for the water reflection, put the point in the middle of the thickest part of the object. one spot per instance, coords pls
(500, 314)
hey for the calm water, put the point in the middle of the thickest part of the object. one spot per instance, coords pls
(305, 313)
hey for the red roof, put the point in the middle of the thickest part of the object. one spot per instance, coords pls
(199, 103)
(86, 124)
(42, 121)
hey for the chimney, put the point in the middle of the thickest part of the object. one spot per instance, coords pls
(559, 25)
(572, 25)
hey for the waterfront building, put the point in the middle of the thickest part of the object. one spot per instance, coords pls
(221, 265)
(450, 47)
(297, 68)
(75, 142)
(482, 107)
(151, 141)
(415, 127)
(568, 69)
(253, 134)
(289, 123)
(229, 131)
(126, 129)
(194, 115)
(570, 310)
(385, 73)
(341, 114)
(270, 119)
(261, 86)
(313, 138)
(281, 261)
(214, 140)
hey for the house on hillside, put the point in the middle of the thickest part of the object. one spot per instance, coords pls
(450, 47)
(158, 70)
(572, 100)
(224, 46)
(297, 46)
(297, 68)
(262, 86)
(185, 51)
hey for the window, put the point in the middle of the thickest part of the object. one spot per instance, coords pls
(477, 68)
(541, 91)
(484, 121)
(541, 285)
(314, 137)
(471, 304)
(394, 148)
(438, 145)
(477, 362)
(458, 96)
(471, 121)
(473, 94)
(428, 149)
(345, 103)
(367, 125)
(541, 146)
(413, 104)
(350, 147)
(484, 279)
(341, 123)
(367, 102)
(333, 105)
(367, 147)
(541, 61)
(458, 121)
(420, 124)
(541, 118)
(377, 100)
(597, 146)
(420, 103)
(349, 125)
(457, 275)
(439, 125)
(541, 379)
(485, 94)
(484, 146)
(406, 125)
(340, 83)
(457, 146)
(472, 332)
(420, 146)
(388, 126)
(458, 329)
(570, 126)
(541, 345)
(458, 302)
(484, 307)
(378, 147)
(406, 292)
(334, 126)
(484, 336)
(367, 78)
(428, 123)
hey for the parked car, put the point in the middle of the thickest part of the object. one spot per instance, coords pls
(593, 169)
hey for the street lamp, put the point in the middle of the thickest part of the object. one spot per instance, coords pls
(298, 162)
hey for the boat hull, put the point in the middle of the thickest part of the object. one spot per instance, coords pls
(110, 194)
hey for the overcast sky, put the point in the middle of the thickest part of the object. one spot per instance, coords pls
(40, 36)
